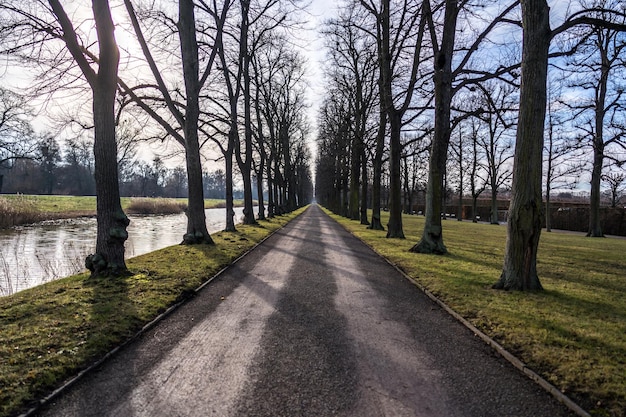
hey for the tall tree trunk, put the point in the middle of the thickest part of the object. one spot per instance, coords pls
(378, 168)
(364, 220)
(475, 193)
(432, 236)
(196, 219)
(262, 157)
(548, 209)
(271, 179)
(394, 226)
(259, 190)
(494, 205)
(278, 209)
(290, 186)
(357, 151)
(345, 187)
(355, 173)
(111, 220)
(336, 207)
(460, 208)
(595, 225)
(525, 211)
(228, 157)
(246, 173)
(444, 197)
(245, 161)
(197, 231)
(474, 208)
(270, 190)
(405, 176)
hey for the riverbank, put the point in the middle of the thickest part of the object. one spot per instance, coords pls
(51, 332)
(19, 209)
(573, 333)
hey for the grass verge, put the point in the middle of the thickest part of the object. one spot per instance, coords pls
(52, 331)
(573, 333)
(18, 210)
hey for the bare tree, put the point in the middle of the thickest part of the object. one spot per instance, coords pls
(49, 156)
(478, 184)
(599, 67)
(498, 104)
(80, 164)
(465, 153)
(377, 162)
(112, 222)
(524, 224)
(399, 31)
(17, 139)
(444, 77)
(415, 167)
(354, 50)
(616, 181)
(563, 159)
(353, 70)
(279, 80)
(332, 172)
(185, 125)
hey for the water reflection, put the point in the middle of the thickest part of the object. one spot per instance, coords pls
(32, 255)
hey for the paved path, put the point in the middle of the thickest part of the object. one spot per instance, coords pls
(312, 323)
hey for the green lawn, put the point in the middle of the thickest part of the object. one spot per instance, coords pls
(573, 333)
(50, 332)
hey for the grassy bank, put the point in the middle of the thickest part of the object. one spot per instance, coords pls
(52, 331)
(573, 333)
(18, 210)
(155, 206)
(21, 209)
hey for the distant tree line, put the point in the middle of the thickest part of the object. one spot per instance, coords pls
(69, 170)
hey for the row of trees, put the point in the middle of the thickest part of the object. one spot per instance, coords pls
(70, 172)
(214, 74)
(451, 82)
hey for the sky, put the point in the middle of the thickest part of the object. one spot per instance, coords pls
(320, 10)
(313, 49)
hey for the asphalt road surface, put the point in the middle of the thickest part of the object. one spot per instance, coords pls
(310, 323)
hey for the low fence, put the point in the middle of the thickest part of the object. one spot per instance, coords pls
(574, 218)
(613, 220)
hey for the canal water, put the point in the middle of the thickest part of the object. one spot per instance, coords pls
(34, 254)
